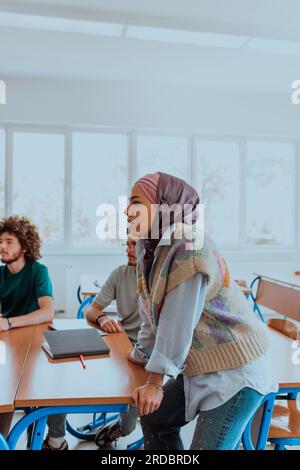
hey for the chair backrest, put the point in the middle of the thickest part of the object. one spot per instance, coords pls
(83, 306)
(79, 295)
(282, 298)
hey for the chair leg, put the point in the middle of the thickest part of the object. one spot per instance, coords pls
(136, 445)
(30, 430)
(85, 432)
(279, 447)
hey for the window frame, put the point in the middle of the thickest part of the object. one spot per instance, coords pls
(240, 251)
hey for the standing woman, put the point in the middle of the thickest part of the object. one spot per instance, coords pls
(197, 328)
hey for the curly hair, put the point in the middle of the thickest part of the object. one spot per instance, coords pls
(26, 232)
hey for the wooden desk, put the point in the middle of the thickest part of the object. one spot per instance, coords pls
(17, 344)
(111, 380)
(106, 380)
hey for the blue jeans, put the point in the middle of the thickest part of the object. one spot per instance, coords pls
(217, 429)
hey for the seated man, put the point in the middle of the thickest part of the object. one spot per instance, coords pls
(120, 286)
(25, 285)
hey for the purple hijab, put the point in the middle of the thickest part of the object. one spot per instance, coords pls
(167, 190)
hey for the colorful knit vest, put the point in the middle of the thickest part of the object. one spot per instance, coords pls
(228, 334)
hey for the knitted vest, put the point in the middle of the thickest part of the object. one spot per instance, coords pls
(228, 334)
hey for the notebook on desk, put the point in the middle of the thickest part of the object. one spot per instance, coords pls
(73, 343)
(72, 324)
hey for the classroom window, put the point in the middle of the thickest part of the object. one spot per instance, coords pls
(2, 173)
(100, 176)
(165, 154)
(38, 182)
(248, 187)
(217, 181)
(270, 193)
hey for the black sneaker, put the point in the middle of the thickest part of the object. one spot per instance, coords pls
(105, 437)
(47, 446)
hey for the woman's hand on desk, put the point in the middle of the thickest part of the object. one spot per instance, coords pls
(147, 399)
(109, 326)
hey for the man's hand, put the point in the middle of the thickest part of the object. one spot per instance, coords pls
(3, 324)
(109, 326)
(147, 399)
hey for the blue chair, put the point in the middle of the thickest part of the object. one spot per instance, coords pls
(268, 405)
(3, 443)
(83, 306)
(254, 298)
(278, 435)
(284, 299)
(287, 431)
(79, 295)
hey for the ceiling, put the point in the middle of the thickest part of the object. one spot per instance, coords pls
(251, 45)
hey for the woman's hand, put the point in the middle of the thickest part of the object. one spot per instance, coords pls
(147, 399)
(109, 326)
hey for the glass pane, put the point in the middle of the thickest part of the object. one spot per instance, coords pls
(38, 182)
(270, 193)
(165, 154)
(218, 186)
(100, 176)
(2, 173)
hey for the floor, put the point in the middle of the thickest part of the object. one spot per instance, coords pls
(78, 420)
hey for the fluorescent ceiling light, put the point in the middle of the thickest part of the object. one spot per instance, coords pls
(185, 37)
(273, 46)
(49, 23)
(98, 28)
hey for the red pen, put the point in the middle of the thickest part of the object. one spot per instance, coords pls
(82, 362)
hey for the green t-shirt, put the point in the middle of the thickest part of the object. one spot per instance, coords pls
(19, 292)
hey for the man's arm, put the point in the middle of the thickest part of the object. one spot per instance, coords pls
(43, 315)
(93, 312)
(95, 315)
(107, 294)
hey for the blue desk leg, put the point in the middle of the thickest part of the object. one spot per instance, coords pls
(3, 443)
(40, 415)
(38, 434)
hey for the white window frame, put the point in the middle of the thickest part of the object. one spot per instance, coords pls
(240, 252)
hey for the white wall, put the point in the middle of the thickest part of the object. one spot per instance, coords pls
(150, 106)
